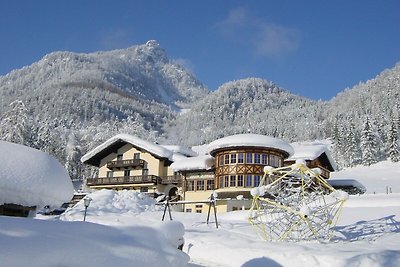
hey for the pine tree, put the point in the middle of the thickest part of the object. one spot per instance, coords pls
(368, 144)
(73, 155)
(337, 141)
(393, 142)
(15, 124)
(352, 151)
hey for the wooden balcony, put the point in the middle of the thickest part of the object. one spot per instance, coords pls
(172, 179)
(129, 163)
(324, 172)
(140, 179)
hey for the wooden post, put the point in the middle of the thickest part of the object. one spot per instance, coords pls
(212, 203)
(167, 206)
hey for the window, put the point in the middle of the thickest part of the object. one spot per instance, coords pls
(199, 208)
(233, 181)
(264, 158)
(119, 157)
(272, 161)
(145, 172)
(256, 180)
(240, 158)
(136, 156)
(235, 208)
(275, 161)
(249, 158)
(110, 174)
(226, 178)
(240, 180)
(210, 184)
(190, 186)
(188, 210)
(221, 182)
(233, 158)
(127, 173)
(200, 185)
(249, 182)
(226, 159)
(221, 160)
(257, 158)
(144, 189)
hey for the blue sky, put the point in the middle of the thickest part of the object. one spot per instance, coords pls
(312, 48)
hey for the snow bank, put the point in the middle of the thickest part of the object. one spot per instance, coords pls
(112, 202)
(30, 177)
(27, 242)
(252, 140)
(378, 200)
(173, 232)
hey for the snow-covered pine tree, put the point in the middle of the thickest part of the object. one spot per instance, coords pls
(73, 156)
(393, 141)
(352, 151)
(337, 142)
(15, 124)
(368, 144)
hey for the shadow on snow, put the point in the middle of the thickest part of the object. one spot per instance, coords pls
(368, 230)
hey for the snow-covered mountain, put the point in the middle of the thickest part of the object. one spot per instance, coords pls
(75, 101)
(248, 105)
(138, 82)
(363, 122)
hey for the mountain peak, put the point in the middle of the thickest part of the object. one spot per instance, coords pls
(152, 44)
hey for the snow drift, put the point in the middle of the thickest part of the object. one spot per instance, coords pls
(30, 177)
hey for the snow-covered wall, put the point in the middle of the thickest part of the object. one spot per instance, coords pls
(30, 177)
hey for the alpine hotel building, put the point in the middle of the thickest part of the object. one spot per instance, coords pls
(231, 167)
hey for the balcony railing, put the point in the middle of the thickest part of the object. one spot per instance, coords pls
(140, 179)
(135, 163)
(324, 172)
(172, 179)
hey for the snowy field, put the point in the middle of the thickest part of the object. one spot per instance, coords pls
(125, 229)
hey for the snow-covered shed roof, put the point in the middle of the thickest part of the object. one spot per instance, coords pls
(311, 151)
(349, 185)
(94, 156)
(30, 177)
(205, 162)
(250, 140)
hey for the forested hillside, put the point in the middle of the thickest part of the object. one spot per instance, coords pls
(68, 103)
(364, 121)
(249, 105)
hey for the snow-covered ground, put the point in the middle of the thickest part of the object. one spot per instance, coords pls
(125, 229)
(378, 178)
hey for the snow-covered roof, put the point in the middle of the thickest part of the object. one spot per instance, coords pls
(311, 151)
(178, 156)
(150, 147)
(205, 162)
(181, 150)
(30, 177)
(343, 183)
(250, 140)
